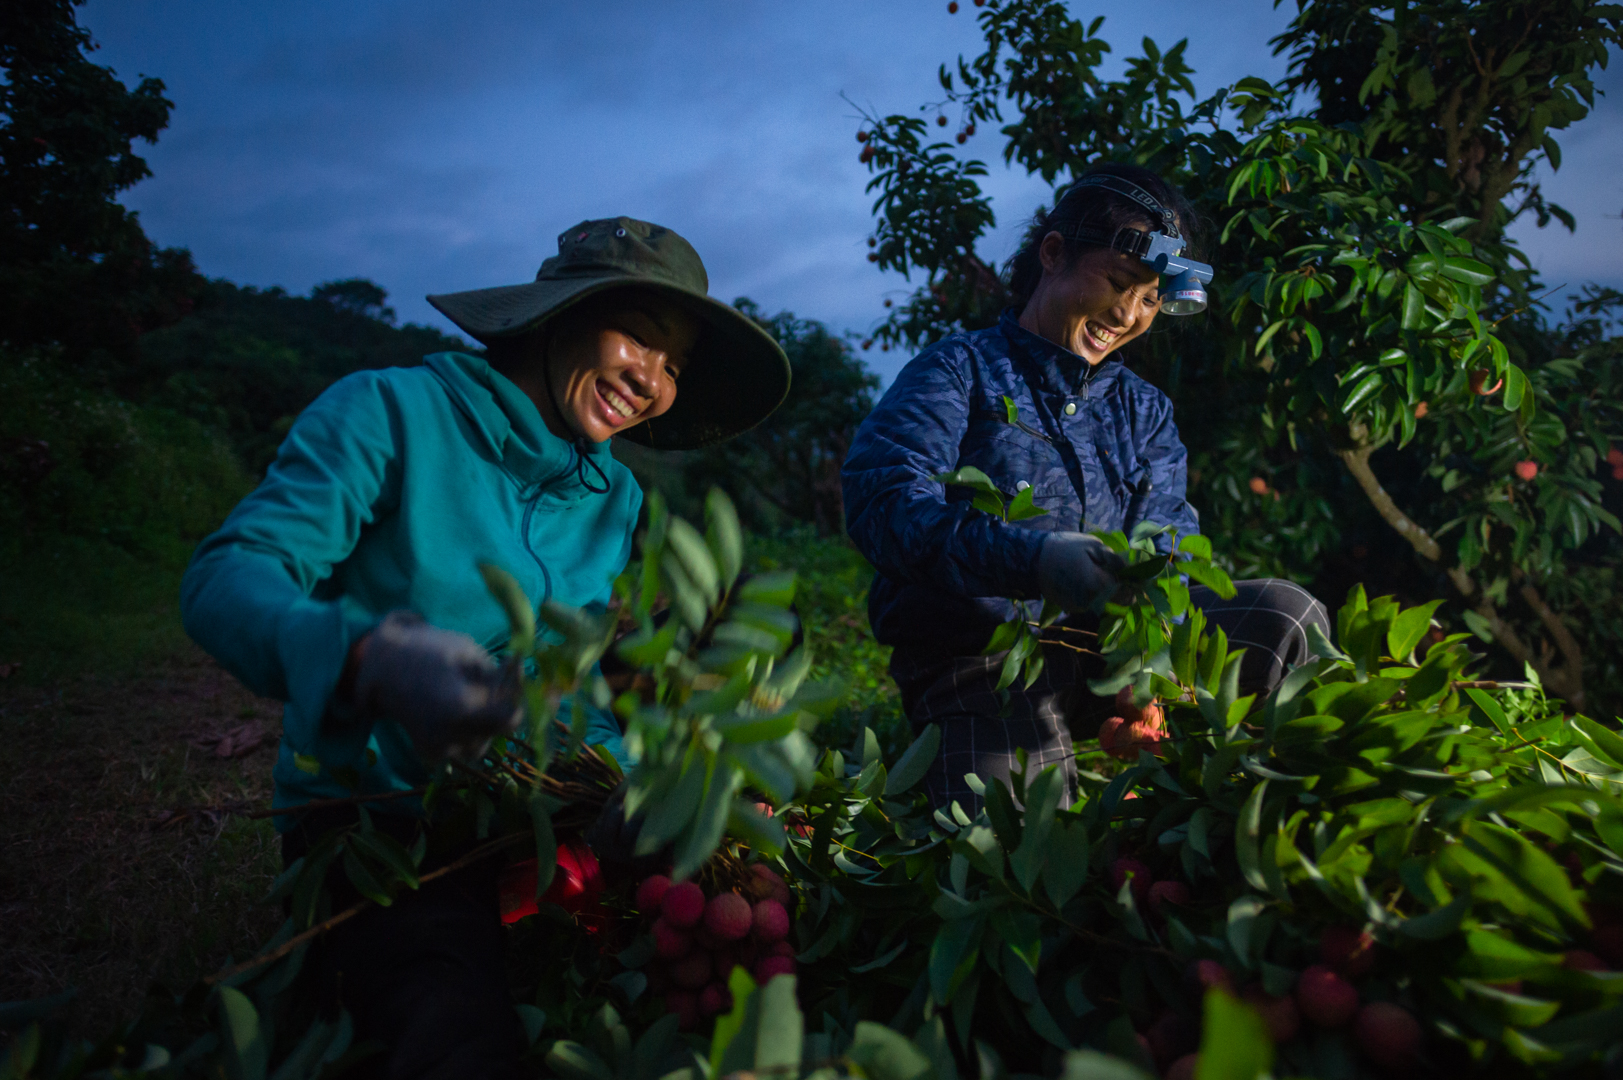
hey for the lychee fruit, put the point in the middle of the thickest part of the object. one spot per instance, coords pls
(1420, 410)
(779, 948)
(1204, 975)
(1579, 960)
(683, 904)
(1139, 735)
(1527, 470)
(1325, 998)
(1123, 868)
(952, 9)
(1184, 1068)
(780, 888)
(692, 971)
(651, 891)
(1258, 485)
(685, 1004)
(942, 120)
(770, 922)
(1348, 950)
(728, 916)
(1389, 1034)
(1109, 732)
(771, 967)
(1278, 1013)
(1614, 457)
(714, 999)
(1163, 893)
(1173, 1035)
(670, 942)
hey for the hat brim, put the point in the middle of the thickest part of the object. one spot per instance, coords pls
(736, 374)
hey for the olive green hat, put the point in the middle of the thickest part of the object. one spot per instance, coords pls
(736, 374)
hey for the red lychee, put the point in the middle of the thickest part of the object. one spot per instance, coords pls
(1421, 409)
(1109, 732)
(651, 891)
(1258, 485)
(1579, 960)
(779, 948)
(670, 942)
(1204, 975)
(1325, 998)
(692, 971)
(683, 904)
(1279, 1013)
(1389, 1034)
(727, 916)
(685, 1004)
(862, 136)
(1348, 950)
(1163, 893)
(714, 999)
(1173, 1035)
(1527, 470)
(1123, 868)
(771, 967)
(780, 888)
(942, 120)
(1184, 1068)
(770, 922)
(1614, 457)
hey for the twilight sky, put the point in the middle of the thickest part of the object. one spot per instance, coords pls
(435, 146)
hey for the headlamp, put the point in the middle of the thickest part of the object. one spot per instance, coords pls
(1163, 250)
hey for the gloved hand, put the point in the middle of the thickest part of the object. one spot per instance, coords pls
(613, 839)
(439, 685)
(1077, 571)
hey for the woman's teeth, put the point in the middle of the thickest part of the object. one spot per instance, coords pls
(1100, 334)
(616, 402)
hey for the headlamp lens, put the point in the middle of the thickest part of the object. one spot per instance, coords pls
(1184, 296)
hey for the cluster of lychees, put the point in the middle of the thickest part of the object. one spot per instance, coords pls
(1135, 729)
(699, 939)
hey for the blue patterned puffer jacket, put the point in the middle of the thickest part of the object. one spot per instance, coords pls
(1098, 445)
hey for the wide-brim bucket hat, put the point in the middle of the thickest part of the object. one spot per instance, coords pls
(736, 372)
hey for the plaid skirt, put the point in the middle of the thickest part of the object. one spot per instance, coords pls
(1268, 617)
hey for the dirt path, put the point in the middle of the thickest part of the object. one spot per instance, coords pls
(102, 886)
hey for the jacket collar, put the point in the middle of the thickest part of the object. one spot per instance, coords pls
(1055, 368)
(509, 424)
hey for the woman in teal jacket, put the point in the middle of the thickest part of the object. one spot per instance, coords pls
(347, 583)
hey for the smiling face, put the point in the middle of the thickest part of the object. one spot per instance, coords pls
(1093, 304)
(614, 364)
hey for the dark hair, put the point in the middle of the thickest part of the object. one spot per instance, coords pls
(1099, 208)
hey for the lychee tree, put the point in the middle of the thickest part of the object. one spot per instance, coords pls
(1367, 294)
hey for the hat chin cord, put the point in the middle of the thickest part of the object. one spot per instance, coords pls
(582, 457)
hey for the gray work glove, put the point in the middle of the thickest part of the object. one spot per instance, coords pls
(439, 685)
(1077, 571)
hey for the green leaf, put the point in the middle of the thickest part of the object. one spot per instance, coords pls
(1021, 506)
(246, 1049)
(546, 844)
(915, 762)
(1516, 387)
(1010, 411)
(684, 540)
(307, 763)
(970, 477)
(1196, 545)
(700, 840)
(365, 882)
(729, 1027)
(1438, 924)
(515, 605)
(572, 1061)
(1092, 1065)
(1407, 630)
(782, 1030)
(1212, 576)
(1248, 838)
(884, 1054)
(724, 535)
(1605, 739)
(1234, 1043)
(1469, 271)
(776, 588)
(1414, 306)
(1042, 802)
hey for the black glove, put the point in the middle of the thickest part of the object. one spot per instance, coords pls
(440, 685)
(1077, 571)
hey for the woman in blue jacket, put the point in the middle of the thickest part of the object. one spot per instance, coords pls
(1096, 443)
(347, 583)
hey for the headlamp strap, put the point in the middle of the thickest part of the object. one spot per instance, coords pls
(1122, 186)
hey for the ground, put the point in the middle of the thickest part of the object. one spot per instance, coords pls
(102, 886)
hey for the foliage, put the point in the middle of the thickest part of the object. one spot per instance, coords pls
(1366, 289)
(247, 360)
(76, 270)
(788, 467)
(1473, 832)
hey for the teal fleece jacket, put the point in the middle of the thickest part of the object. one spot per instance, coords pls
(388, 492)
